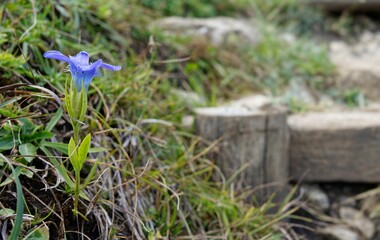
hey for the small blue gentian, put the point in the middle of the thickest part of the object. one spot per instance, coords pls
(80, 67)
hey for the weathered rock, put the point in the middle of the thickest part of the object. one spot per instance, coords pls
(188, 121)
(326, 102)
(371, 206)
(316, 196)
(299, 91)
(335, 5)
(190, 98)
(357, 220)
(373, 107)
(357, 65)
(339, 232)
(218, 30)
(252, 102)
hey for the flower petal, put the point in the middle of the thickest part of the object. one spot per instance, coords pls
(110, 67)
(90, 72)
(96, 64)
(81, 59)
(56, 55)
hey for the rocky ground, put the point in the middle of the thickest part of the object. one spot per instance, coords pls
(358, 64)
(340, 211)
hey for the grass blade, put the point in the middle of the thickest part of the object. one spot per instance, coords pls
(19, 205)
(54, 120)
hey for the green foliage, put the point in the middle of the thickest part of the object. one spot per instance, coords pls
(195, 8)
(353, 98)
(293, 15)
(296, 106)
(24, 135)
(10, 64)
(76, 107)
(39, 233)
(281, 61)
(28, 151)
(78, 154)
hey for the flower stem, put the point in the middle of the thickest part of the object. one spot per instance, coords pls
(76, 192)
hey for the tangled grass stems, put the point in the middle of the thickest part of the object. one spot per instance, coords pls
(141, 178)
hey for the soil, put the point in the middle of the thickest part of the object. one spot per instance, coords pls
(38, 200)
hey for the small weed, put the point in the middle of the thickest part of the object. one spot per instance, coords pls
(353, 98)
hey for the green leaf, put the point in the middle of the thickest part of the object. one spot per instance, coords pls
(6, 143)
(97, 150)
(39, 233)
(11, 177)
(73, 110)
(9, 101)
(67, 100)
(73, 155)
(6, 211)
(19, 170)
(41, 135)
(83, 149)
(27, 172)
(54, 120)
(28, 151)
(11, 128)
(27, 126)
(83, 103)
(61, 147)
(90, 176)
(19, 203)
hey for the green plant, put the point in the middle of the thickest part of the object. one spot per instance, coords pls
(76, 105)
(22, 134)
(353, 98)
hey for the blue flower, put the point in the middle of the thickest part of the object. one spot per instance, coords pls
(80, 67)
